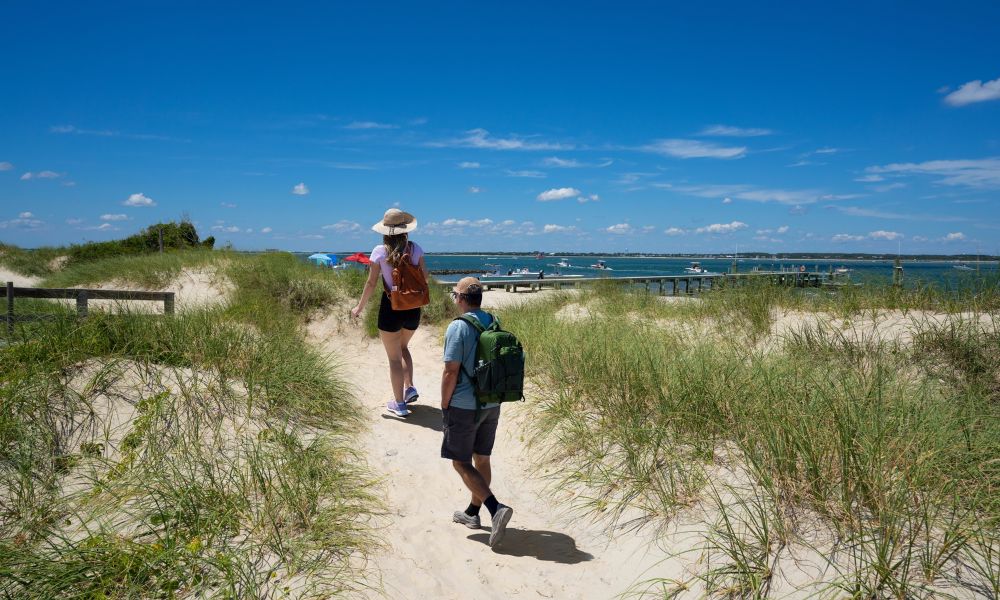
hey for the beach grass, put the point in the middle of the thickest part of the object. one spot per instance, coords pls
(886, 448)
(205, 454)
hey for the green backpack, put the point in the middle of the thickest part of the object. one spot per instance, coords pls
(499, 373)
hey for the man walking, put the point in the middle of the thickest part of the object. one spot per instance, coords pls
(468, 433)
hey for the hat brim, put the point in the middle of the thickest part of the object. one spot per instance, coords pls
(384, 229)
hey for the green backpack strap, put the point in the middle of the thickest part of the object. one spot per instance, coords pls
(472, 320)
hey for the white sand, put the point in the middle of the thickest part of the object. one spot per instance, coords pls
(18, 279)
(546, 553)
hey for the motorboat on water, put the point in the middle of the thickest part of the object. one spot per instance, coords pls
(842, 270)
(694, 268)
(563, 264)
(601, 265)
(522, 273)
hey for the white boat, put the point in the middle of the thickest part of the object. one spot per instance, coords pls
(601, 266)
(963, 267)
(842, 270)
(522, 273)
(694, 268)
(562, 264)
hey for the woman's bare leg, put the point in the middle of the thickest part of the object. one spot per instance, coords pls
(393, 350)
(404, 340)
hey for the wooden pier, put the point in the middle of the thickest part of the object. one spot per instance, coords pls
(672, 285)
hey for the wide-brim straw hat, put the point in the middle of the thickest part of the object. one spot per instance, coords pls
(395, 222)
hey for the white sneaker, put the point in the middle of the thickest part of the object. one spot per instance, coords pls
(499, 525)
(470, 522)
(399, 410)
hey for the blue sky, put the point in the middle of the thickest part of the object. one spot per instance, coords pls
(639, 126)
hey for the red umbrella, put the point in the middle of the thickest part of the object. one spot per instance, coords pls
(358, 257)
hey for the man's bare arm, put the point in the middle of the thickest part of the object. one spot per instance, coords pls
(449, 379)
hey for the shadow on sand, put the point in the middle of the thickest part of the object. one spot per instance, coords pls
(422, 415)
(542, 545)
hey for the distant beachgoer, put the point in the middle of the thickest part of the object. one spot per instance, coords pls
(395, 327)
(469, 433)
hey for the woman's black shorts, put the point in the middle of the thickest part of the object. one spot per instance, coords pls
(393, 320)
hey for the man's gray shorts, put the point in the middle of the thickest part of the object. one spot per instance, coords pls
(465, 435)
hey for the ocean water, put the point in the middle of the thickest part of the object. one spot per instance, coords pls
(940, 273)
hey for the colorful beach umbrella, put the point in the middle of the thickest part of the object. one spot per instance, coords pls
(358, 257)
(321, 259)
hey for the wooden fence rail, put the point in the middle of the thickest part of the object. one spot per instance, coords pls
(82, 297)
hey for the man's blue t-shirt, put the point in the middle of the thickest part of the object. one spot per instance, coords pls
(460, 343)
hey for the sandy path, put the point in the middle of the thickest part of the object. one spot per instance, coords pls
(544, 555)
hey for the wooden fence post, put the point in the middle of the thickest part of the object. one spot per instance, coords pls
(168, 304)
(81, 304)
(10, 308)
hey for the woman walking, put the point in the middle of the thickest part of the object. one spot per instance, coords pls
(396, 326)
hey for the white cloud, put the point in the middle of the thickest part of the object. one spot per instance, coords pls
(954, 237)
(300, 189)
(727, 200)
(870, 178)
(475, 189)
(846, 237)
(25, 215)
(885, 235)
(674, 231)
(227, 204)
(555, 161)
(6, 166)
(266, 230)
(888, 187)
(559, 229)
(226, 229)
(974, 91)
(22, 223)
(694, 149)
(856, 211)
(40, 175)
(108, 133)
(311, 236)
(558, 194)
(480, 138)
(729, 131)
(591, 198)
(827, 150)
(105, 227)
(344, 226)
(369, 125)
(620, 229)
(74, 221)
(468, 165)
(139, 199)
(782, 229)
(722, 228)
(479, 227)
(747, 192)
(115, 217)
(919, 238)
(981, 173)
(529, 174)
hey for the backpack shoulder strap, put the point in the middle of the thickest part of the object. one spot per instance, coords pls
(472, 320)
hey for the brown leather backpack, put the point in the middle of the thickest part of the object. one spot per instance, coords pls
(409, 286)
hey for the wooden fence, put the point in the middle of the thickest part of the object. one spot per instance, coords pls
(82, 297)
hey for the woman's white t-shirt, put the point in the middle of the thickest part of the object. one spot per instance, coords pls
(380, 256)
